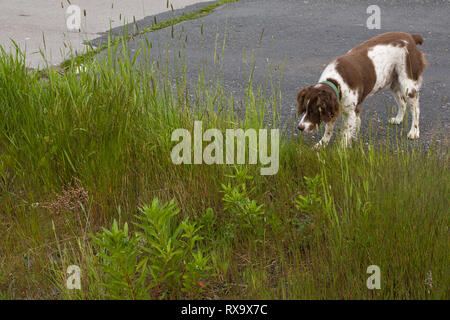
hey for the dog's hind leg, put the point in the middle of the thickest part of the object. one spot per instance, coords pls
(413, 100)
(401, 105)
(357, 124)
(411, 89)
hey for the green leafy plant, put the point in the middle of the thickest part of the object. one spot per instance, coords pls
(124, 274)
(245, 215)
(307, 203)
(162, 256)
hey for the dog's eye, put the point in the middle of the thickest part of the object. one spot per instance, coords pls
(301, 110)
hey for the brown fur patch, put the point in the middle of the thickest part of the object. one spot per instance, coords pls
(358, 72)
(412, 94)
(415, 62)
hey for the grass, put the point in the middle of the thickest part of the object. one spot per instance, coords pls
(86, 179)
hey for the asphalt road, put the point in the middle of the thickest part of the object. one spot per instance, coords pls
(306, 35)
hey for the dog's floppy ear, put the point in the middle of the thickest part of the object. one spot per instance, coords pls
(329, 106)
(300, 99)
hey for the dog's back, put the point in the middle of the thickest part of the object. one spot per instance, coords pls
(415, 60)
(377, 62)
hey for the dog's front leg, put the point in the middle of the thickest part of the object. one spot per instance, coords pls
(327, 135)
(349, 125)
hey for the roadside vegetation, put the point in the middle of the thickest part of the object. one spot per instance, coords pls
(86, 179)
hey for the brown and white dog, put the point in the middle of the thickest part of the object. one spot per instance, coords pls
(390, 59)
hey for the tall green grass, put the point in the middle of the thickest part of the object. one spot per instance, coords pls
(83, 154)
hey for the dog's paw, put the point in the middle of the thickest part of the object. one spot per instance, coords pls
(346, 140)
(413, 134)
(318, 145)
(395, 120)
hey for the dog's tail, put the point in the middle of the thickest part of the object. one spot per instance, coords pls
(417, 38)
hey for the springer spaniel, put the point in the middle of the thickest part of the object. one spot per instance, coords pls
(390, 59)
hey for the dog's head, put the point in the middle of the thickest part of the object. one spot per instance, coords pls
(317, 104)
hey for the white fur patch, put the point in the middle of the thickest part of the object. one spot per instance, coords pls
(308, 125)
(349, 96)
(386, 58)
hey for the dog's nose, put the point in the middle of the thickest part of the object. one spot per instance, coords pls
(301, 127)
